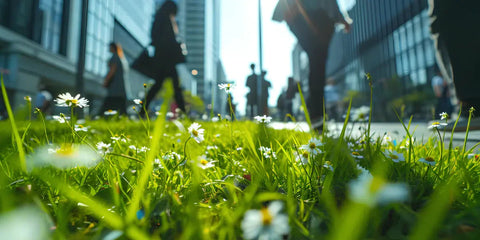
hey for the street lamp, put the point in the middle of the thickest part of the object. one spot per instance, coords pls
(260, 49)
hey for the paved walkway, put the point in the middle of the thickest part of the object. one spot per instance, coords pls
(395, 130)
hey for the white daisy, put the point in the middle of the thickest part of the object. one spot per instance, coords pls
(103, 147)
(196, 132)
(267, 152)
(64, 156)
(204, 163)
(302, 156)
(67, 100)
(138, 101)
(443, 116)
(427, 160)
(110, 112)
(267, 223)
(371, 190)
(395, 156)
(81, 128)
(313, 146)
(60, 119)
(263, 119)
(437, 125)
(228, 87)
(360, 114)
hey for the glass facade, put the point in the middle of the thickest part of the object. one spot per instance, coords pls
(52, 13)
(99, 35)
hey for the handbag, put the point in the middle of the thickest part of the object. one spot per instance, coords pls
(145, 64)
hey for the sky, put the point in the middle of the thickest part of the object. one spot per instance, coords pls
(239, 46)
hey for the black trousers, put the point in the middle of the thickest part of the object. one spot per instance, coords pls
(167, 71)
(315, 40)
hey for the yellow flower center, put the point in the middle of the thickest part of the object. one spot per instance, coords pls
(355, 154)
(195, 132)
(305, 154)
(66, 150)
(80, 126)
(266, 216)
(74, 101)
(203, 162)
(435, 123)
(393, 156)
(429, 159)
(376, 184)
(312, 145)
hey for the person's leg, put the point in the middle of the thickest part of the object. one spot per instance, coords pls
(316, 82)
(152, 92)
(177, 89)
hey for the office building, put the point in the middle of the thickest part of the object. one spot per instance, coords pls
(39, 42)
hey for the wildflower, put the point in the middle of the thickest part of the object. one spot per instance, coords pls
(215, 119)
(267, 152)
(60, 119)
(132, 147)
(212, 147)
(263, 119)
(138, 101)
(196, 132)
(267, 223)
(395, 156)
(110, 112)
(27, 98)
(239, 148)
(361, 114)
(228, 87)
(171, 156)
(443, 116)
(144, 85)
(437, 125)
(373, 190)
(143, 149)
(302, 156)
(427, 160)
(204, 163)
(328, 165)
(67, 100)
(81, 128)
(387, 139)
(65, 156)
(117, 138)
(357, 155)
(103, 147)
(13, 224)
(313, 146)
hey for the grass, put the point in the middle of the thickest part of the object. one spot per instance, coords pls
(162, 191)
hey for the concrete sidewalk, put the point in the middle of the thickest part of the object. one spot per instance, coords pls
(419, 130)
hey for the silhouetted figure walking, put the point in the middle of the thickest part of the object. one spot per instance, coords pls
(442, 93)
(252, 96)
(265, 87)
(312, 22)
(168, 53)
(115, 81)
(292, 89)
(457, 39)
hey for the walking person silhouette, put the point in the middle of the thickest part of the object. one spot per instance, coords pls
(168, 53)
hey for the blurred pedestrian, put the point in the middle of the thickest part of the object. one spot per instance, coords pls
(168, 53)
(312, 22)
(442, 94)
(43, 100)
(292, 89)
(266, 85)
(115, 81)
(458, 49)
(281, 104)
(332, 100)
(252, 96)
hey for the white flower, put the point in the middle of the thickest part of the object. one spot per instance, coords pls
(138, 101)
(387, 139)
(302, 156)
(27, 98)
(313, 146)
(215, 119)
(65, 156)
(437, 125)
(103, 147)
(196, 132)
(27, 222)
(395, 156)
(81, 128)
(371, 190)
(170, 114)
(267, 152)
(204, 163)
(132, 147)
(110, 112)
(443, 116)
(143, 149)
(428, 160)
(263, 119)
(60, 119)
(361, 114)
(66, 100)
(267, 223)
(357, 155)
(228, 87)
(328, 165)
(171, 156)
